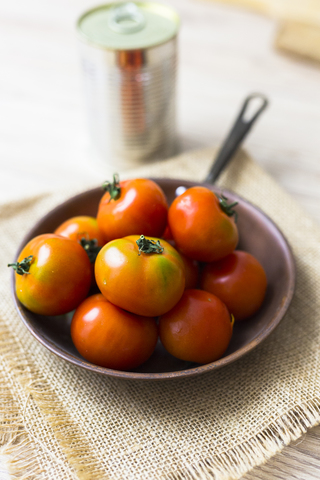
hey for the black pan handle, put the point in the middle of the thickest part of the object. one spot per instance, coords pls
(238, 132)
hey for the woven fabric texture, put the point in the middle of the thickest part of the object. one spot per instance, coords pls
(60, 422)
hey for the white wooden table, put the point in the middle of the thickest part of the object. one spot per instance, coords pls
(225, 53)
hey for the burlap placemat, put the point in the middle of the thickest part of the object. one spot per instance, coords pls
(60, 422)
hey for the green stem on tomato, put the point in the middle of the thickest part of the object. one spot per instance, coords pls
(22, 268)
(227, 208)
(148, 246)
(113, 188)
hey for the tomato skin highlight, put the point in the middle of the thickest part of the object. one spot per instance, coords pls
(200, 228)
(59, 276)
(197, 329)
(81, 226)
(108, 336)
(239, 280)
(141, 208)
(145, 284)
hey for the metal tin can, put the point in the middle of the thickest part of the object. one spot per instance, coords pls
(129, 60)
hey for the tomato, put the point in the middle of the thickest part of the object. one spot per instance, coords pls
(202, 225)
(143, 283)
(132, 207)
(82, 226)
(198, 328)
(53, 275)
(110, 337)
(239, 280)
(84, 230)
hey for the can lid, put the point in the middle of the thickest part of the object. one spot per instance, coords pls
(128, 25)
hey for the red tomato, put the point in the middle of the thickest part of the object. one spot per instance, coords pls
(239, 280)
(200, 227)
(110, 337)
(57, 275)
(143, 283)
(139, 207)
(198, 328)
(76, 228)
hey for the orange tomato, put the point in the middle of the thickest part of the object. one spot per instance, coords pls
(110, 337)
(202, 225)
(197, 329)
(78, 227)
(132, 207)
(55, 275)
(143, 283)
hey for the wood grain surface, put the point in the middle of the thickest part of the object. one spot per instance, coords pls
(224, 54)
(306, 11)
(299, 39)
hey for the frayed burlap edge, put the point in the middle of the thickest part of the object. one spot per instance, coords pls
(236, 462)
(16, 450)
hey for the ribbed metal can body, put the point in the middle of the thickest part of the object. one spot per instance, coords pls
(131, 95)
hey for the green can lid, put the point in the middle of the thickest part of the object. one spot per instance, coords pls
(129, 25)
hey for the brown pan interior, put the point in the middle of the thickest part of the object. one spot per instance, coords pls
(258, 235)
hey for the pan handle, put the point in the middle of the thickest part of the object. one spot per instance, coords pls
(240, 128)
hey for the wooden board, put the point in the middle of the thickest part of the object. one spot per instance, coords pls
(299, 24)
(304, 11)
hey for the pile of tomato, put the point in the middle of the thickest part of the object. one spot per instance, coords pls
(142, 270)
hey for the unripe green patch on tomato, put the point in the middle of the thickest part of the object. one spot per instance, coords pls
(139, 282)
